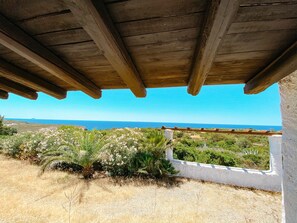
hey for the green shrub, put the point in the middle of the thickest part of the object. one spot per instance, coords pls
(183, 152)
(191, 142)
(178, 134)
(83, 153)
(155, 142)
(5, 130)
(146, 163)
(11, 145)
(243, 143)
(219, 158)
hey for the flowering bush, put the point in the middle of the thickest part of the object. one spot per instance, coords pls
(30, 145)
(11, 145)
(123, 152)
(121, 146)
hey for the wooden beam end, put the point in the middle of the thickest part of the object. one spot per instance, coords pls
(193, 91)
(96, 94)
(3, 95)
(32, 96)
(140, 94)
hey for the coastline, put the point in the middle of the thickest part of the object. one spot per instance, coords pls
(101, 125)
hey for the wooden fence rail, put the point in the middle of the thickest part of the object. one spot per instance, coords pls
(229, 131)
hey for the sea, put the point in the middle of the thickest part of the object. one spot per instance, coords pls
(124, 124)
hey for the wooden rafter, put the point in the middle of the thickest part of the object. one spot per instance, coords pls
(10, 86)
(94, 18)
(219, 17)
(3, 94)
(282, 66)
(25, 78)
(23, 44)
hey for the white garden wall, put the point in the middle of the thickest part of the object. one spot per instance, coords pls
(265, 180)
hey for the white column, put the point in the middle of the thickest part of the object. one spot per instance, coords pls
(169, 152)
(288, 91)
(275, 142)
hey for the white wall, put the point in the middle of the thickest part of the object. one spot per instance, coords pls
(288, 91)
(265, 180)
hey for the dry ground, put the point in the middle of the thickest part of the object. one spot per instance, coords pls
(25, 126)
(59, 197)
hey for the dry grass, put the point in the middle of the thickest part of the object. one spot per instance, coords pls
(60, 197)
(25, 126)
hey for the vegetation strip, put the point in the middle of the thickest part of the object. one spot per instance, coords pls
(231, 131)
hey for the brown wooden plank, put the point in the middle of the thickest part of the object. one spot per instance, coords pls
(25, 78)
(9, 86)
(220, 15)
(19, 61)
(266, 54)
(267, 12)
(156, 70)
(177, 57)
(167, 82)
(282, 66)
(51, 23)
(265, 2)
(4, 50)
(107, 80)
(143, 9)
(166, 76)
(258, 26)
(84, 57)
(3, 94)
(257, 41)
(26, 9)
(77, 51)
(63, 37)
(220, 81)
(157, 25)
(237, 66)
(162, 37)
(29, 48)
(153, 49)
(98, 25)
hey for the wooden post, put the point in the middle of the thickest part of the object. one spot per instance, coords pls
(169, 152)
(288, 91)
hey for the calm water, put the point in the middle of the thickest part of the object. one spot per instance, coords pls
(116, 124)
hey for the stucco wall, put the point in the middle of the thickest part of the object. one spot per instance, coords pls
(288, 91)
(265, 180)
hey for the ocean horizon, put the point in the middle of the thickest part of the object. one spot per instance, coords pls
(88, 124)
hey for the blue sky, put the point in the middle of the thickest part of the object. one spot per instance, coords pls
(214, 105)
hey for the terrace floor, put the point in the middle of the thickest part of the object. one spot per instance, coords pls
(56, 196)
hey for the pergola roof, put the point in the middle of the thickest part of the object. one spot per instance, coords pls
(54, 46)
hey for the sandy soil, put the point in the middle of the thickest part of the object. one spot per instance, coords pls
(60, 197)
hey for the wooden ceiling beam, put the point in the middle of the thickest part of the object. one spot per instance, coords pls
(25, 78)
(282, 66)
(94, 18)
(3, 94)
(10, 86)
(15, 39)
(219, 17)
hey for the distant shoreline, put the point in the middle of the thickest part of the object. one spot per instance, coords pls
(123, 124)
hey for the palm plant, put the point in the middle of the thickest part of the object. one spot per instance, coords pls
(83, 154)
(156, 143)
